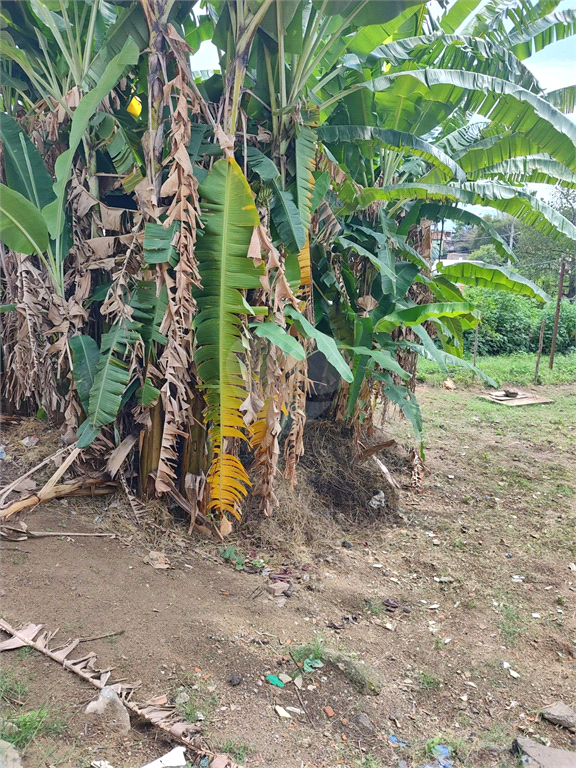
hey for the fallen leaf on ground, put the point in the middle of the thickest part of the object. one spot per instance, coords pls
(157, 560)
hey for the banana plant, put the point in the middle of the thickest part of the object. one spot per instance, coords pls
(275, 207)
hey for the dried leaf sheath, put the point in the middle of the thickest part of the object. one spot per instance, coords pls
(229, 217)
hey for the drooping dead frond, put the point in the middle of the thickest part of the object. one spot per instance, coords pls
(175, 364)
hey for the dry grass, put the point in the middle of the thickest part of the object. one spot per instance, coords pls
(333, 493)
(338, 476)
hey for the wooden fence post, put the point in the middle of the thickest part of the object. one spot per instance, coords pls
(540, 344)
(557, 315)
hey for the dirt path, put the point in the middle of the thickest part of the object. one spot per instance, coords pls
(498, 503)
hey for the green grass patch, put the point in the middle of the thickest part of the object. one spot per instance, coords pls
(429, 681)
(12, 690)
(312, 650)
(238, 750)
(517, 368)
(511, 623)
(31, 725)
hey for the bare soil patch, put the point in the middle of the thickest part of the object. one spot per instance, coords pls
(498, 503)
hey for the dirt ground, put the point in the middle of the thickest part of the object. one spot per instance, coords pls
(480, 564)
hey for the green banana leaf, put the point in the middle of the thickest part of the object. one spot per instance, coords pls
(304, 156)
(22, 226)
(490, 276)
(541, 33)
(85, 357)
(229, 216)
(421, 312)
(287, 219)
(325, 344)
(280, 338)
(391, 139)
(54, 212)
(564, 99)
(24, 168)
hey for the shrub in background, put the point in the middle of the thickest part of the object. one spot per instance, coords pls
(512, 324)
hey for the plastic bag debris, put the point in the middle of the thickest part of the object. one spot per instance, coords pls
(29, 442)
(173, 759)
(274, 680)
(109, 698)
(311, 664)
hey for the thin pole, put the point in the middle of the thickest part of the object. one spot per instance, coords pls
(540, 344)
(557, 315)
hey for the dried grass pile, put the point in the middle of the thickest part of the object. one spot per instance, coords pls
(334, 490)
(339, 474)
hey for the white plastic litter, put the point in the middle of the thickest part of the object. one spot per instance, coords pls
(173, 759)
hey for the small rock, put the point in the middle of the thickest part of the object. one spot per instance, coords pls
(181, 698)
(294, 710)
(363, 722)
(346, 545)
(298, 682)
(513, 673)
(560, 714)
(545, 757)
(285, 678)
(329, 711)
(407, 609)
(235, 678)
(436, 542)
(7, 728)
(9, 758)
(281, 712)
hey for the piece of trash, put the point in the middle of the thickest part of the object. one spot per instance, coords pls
(108, 699)
(29, 442)
(449, 384)
(513, 673)
(274, 680)
(157, 560)
(294, 710)
(442, 755)
(311, 664)
(434, 607)
(518, 579)
(298, 682)
(101, 764)
(181, 698)
(536, 616)
(2, 451)
(328, 711)
(396, 740)
(285, 678)
(281, 712)
(390, 605)
(346, 545)
(200, 716)
(173, 759)
(377, 565)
